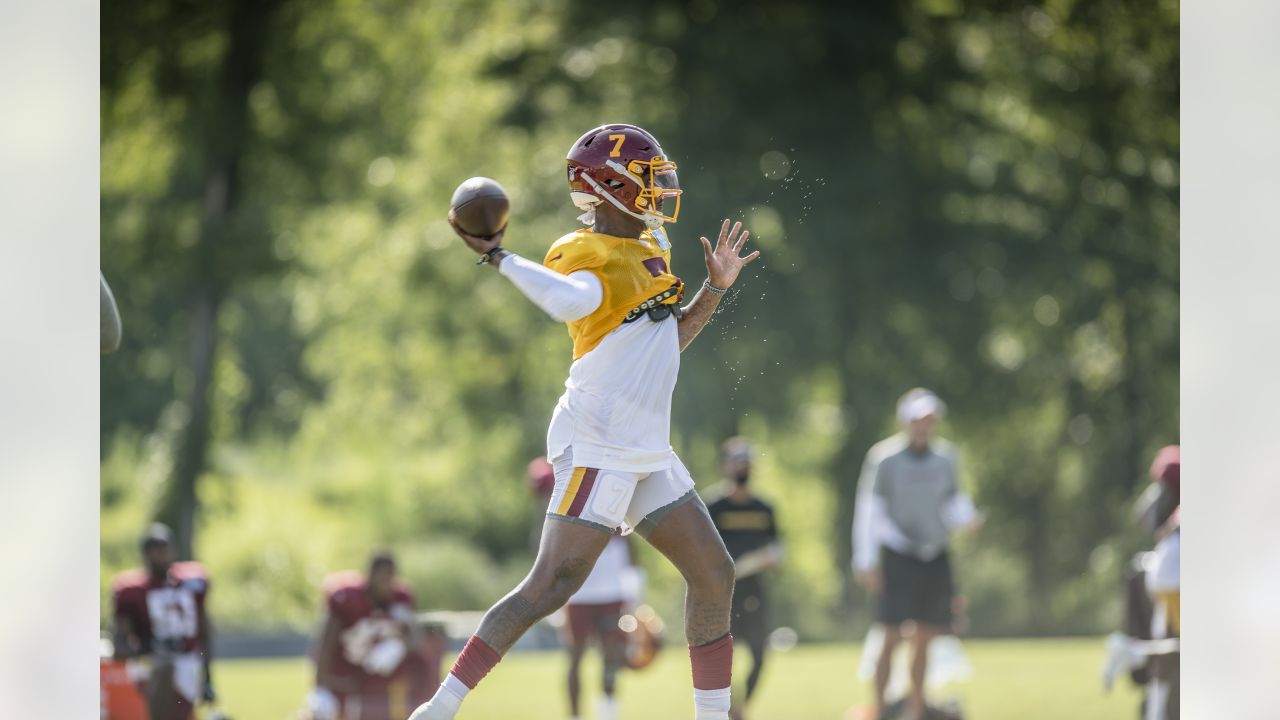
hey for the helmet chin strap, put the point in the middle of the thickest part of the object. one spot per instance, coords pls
(587, 203)
(651, 222)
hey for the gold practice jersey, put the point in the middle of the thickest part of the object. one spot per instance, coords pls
(631, 271)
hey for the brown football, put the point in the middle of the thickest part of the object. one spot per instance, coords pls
(480, 207)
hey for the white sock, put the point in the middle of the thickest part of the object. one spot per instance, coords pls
(608, 709)
(445, 704)
(455, 686)
(711, 704)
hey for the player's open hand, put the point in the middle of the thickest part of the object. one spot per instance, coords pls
(480, 245)
(723, 261)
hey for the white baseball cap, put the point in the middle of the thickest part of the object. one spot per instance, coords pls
(919, 403)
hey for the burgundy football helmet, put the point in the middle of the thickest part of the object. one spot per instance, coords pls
(623, 165)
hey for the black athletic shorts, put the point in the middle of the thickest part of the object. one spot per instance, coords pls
(915, 589)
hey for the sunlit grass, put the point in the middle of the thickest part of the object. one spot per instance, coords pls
(1013, 680)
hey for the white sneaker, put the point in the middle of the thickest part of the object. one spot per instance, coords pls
(607, 709)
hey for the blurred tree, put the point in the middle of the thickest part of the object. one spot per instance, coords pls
(221, 133)
(225, 141)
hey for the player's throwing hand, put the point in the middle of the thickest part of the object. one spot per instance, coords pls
(480, 245)
(723, 261)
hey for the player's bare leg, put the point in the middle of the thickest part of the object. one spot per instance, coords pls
(924, 634)
(164, 702)
(576, 651)
(688, 538)
(566, 555)
(884, 665)
(613, 648)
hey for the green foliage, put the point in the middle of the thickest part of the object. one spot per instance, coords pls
(982, 199)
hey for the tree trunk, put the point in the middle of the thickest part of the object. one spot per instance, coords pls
(226, 140)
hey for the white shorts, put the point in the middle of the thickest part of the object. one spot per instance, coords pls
(607, 499)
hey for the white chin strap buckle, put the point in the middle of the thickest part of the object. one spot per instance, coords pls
(587, 203)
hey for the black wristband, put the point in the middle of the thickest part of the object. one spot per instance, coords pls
(488, 257)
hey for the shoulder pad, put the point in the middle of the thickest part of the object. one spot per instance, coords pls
(401, 592)
(715, 497)
(129, 579)
(944, 447)
(341, 580)
(891, 445)
(190, 575)
(342, 588)
(581, 250)
(188, 571)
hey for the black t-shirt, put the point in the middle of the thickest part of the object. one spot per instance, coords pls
(744, 526)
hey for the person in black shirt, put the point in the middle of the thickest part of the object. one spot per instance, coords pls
(750, 533)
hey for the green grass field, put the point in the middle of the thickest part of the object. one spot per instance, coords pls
(1013, 680)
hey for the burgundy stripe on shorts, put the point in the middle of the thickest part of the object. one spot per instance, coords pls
(584, 492)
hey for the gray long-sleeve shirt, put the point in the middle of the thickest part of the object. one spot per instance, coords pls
(908, 501)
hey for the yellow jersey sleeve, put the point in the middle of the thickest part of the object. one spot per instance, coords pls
(577, 251)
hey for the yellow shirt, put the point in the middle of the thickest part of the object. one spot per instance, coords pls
(631, 271)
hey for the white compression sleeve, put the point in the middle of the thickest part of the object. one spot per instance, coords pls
(564, 297)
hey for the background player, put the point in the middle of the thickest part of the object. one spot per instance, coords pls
(750, 532)
(609, 439)
(371, 662)
(1149, 648)
(594, 612)
(160, 619)
(901, 533)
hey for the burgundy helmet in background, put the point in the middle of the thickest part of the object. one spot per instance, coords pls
(1166, 469)
(541, 476)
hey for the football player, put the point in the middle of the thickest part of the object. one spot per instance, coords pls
(371, 663)
(160, 621)
(1150, 647)
(609, 440)
(749, 529)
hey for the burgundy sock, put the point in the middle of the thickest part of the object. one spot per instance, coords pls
(474, 662)
(712, 664)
